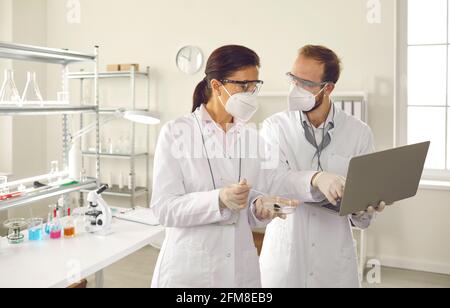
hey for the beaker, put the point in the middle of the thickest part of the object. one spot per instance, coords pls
(35, 229)
(15, 227)
(31, 94)
(8, 92)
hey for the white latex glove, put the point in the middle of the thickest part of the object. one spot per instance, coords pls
(235, 197)
(263, 213)
(375, 209)
(331, 185)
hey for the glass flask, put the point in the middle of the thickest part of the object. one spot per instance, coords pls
(32, 94)
(8, 92)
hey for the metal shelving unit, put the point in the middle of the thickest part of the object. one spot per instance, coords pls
(47, 110)
(51, 192)
(64, 58)
(132, 75)
(118, 156)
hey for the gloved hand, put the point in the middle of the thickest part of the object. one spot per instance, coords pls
(235, 197)
(372, 209)
(263, 213)
(331, 185)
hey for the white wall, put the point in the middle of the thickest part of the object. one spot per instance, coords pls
(151, 32)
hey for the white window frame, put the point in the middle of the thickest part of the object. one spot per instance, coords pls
(401, 95)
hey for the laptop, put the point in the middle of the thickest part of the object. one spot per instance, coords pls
(389, 176)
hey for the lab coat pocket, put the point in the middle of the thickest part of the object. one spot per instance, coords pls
(338, 164)
(189, 267)
(252, 275)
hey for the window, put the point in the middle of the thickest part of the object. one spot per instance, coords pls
(424, 38)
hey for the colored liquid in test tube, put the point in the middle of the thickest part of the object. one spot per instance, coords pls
(69, 232)
(55, 230)
(55, 234)
(69, 227)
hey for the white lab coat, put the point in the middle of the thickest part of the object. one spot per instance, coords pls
(314, 248)
(205, 247)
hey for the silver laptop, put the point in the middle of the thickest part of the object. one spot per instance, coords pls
(389, 176)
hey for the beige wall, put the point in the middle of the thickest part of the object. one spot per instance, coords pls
(5, 122)
(151, 32)
(25, 152)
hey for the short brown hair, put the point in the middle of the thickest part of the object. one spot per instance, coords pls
(326, 56)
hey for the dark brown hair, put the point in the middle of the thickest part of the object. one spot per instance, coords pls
(222, 63)
(329, 58)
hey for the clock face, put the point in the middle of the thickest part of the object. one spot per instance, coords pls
(190, 60)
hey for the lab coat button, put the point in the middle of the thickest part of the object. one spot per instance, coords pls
(311, 274)
(313, 245)
(228, 255)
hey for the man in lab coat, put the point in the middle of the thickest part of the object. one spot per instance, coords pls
(313, 247)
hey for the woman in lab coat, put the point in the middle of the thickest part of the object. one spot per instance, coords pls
(205, 165)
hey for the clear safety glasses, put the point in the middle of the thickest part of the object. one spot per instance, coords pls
(305, 84)
(246, 86)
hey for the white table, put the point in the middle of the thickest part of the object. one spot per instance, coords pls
(60, 263)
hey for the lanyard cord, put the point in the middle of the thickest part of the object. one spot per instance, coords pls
(322, 146)
(207, 155)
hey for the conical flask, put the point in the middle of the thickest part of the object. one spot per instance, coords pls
(32, 94)
(8, 92)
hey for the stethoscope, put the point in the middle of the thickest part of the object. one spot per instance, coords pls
(209, 160)
(311, 137)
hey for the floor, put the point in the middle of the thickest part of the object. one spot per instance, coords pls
(136, 271)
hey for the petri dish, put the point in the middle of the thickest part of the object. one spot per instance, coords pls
(279, 205)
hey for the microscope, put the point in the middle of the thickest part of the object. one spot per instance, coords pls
(98, 215)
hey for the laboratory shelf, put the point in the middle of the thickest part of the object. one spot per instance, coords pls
(51, 192)
(125, 192)
(42, 54)
(119, 156)
(102, 75)
(114, 110)
(46, 110)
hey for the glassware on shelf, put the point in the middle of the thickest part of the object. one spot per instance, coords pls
(3, 182)
(109, 146)
(31, 93)
(83, 176)
(54, 169)
(63, 97)
(8, 92)
(126, 145)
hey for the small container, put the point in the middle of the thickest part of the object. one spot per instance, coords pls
(55, 228)
(69, 226)
(279, 205)
(35, 229)
(15, 228)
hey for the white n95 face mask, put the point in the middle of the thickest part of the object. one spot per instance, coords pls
(242, 106)
(300, 99)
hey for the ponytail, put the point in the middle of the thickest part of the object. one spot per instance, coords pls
(201, 94)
